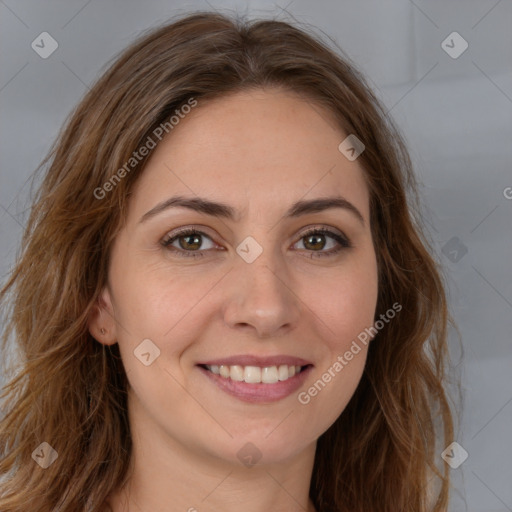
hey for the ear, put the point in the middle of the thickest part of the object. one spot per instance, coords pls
(101, 321)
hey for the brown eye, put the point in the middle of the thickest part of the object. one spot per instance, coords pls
(314, 241)
(189, 241)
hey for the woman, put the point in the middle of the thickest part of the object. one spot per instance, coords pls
(223, 298)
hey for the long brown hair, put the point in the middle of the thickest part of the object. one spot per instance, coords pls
(70, 391)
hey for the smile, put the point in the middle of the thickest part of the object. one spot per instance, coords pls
(255, 374)
(257, 384)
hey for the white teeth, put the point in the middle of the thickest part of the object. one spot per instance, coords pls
(269, 375)
(252, 374)
(255, 374)
(283, 372)
(236, 373)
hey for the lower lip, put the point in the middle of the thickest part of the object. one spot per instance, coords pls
(259, 393)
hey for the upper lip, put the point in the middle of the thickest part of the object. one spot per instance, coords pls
(262, 361)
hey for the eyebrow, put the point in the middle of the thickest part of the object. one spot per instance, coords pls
(222, 210)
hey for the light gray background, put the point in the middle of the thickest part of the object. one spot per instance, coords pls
(456, 115)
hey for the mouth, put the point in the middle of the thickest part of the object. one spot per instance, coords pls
(257, 384)
(256, 374)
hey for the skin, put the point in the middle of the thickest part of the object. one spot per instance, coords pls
(258, 151)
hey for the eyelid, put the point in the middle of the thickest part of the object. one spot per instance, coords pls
(322, 227)
(196, 228)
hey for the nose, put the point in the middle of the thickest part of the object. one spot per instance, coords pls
(261, 298)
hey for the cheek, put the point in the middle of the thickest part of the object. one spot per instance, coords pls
(152, 300)
(327, 395)
(346, 309)
(346, 312)
(348, 300)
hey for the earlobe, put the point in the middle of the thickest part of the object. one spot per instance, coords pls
(101, 322)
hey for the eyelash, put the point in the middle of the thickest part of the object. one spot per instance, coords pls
(342, 241)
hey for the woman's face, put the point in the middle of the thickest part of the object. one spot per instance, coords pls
(249, 287)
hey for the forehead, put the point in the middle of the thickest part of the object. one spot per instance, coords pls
(253, 149)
